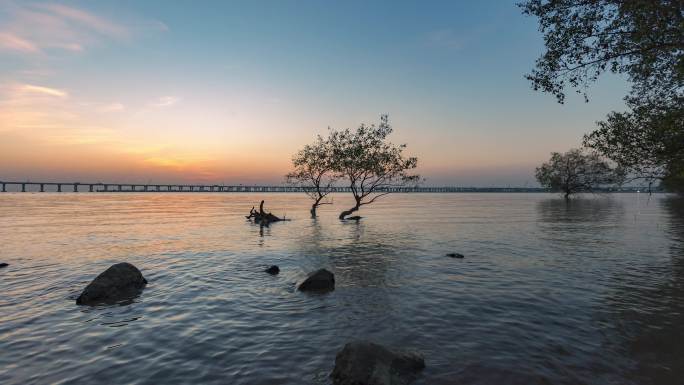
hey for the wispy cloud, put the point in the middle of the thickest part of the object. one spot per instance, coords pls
(165, 101)
(85, 19)
(11, 42)
(43, 27)
(40, 90)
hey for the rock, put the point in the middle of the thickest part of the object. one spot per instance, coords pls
(367, 363)
(119, 282)
(3, 265)
(319, 280)
(455, 255)
(354, 218)
(273, 270)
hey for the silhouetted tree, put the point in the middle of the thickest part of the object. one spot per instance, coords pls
(576, 171)
(642, 39)
(313, 172)
(371, 165)
(647, 143)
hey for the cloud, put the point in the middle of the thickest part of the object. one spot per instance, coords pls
(9, 41)
(32, 89)
(165, 101)
(47, 27)
(85, 19)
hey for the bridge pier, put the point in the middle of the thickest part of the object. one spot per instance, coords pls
(42, 187)
(120, 187)
(59, 187)
(4, 189)
(75, 187)
(23, 187)
(90, 188)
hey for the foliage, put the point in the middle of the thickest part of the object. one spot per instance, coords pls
(674, 181)
(647, 142)
(641, 39)
(577, 171)
(370, 164)
(313, 171)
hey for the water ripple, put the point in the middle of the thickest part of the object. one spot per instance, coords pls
(549, 293)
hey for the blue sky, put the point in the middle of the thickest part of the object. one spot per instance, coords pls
(227, 91)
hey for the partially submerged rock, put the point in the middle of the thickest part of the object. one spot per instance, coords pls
(368, 363)
(119, 282)
(455, 255)
(3, 264)
(319, 280)
(273, 270)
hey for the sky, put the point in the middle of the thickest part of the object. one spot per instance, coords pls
(227, 91)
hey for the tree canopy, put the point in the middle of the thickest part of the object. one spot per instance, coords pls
(370, 164)
(643, 39)
(577, 171)
(363, 159)
(647, 142)
(313, 170)
(640, 39)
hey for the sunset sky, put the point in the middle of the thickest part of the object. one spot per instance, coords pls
(227, 91)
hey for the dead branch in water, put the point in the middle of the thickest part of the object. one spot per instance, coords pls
(262, 217)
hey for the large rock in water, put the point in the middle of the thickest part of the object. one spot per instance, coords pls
(367, 363)
(319, 280)
(3, 264)
(119, 282)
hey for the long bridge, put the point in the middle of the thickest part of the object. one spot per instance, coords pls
(137, 187)
(28, 186)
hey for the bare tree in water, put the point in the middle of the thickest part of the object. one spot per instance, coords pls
(370, 163)
(313, 172)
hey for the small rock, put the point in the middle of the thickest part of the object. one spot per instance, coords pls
(119, 282)
(455, 255)
(319, 280)
(273, 270)
(367, 363)
(3, 264)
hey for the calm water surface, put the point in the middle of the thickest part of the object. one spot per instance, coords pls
(590, 292)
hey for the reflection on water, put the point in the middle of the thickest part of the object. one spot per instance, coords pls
(550, 292)
(650, 312)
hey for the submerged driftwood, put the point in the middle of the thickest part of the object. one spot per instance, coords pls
(262, 217)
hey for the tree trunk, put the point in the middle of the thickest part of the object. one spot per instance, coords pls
(314, 206)
(345, 213)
